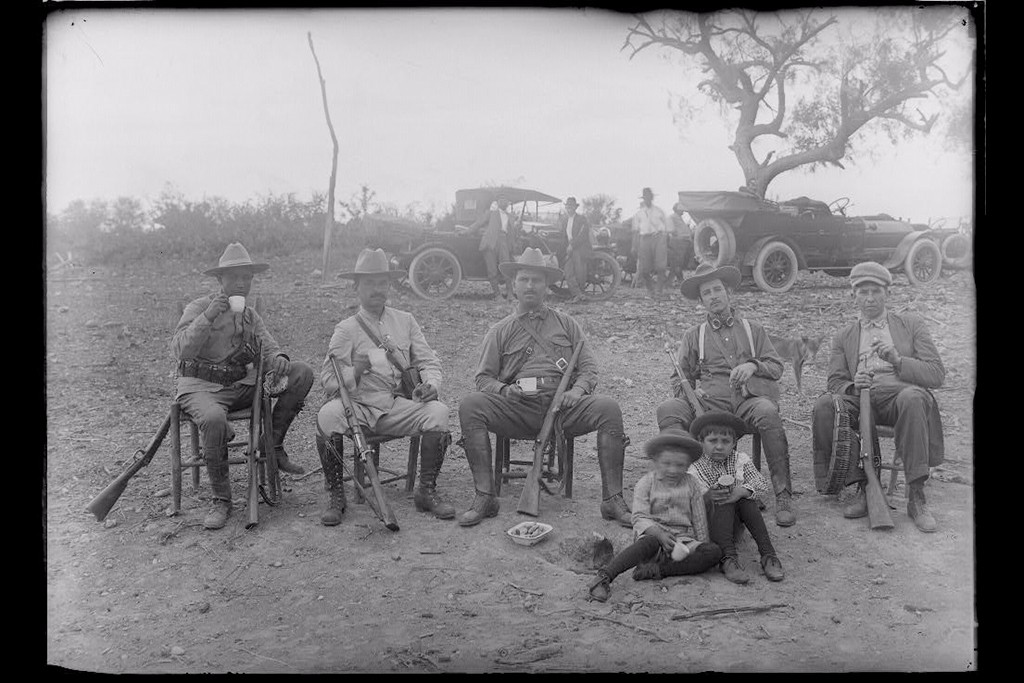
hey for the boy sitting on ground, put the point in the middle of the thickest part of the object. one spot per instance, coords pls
(670, 528)
(732, 488)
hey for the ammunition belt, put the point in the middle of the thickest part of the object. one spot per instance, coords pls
(223, 374)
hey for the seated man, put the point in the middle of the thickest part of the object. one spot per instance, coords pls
(373, 382)
(892, 355)
(738, 370)
(534, 344)
(215, 344)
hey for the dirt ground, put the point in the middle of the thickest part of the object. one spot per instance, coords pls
(146, 592)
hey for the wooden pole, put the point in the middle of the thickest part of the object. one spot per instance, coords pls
(329, 221)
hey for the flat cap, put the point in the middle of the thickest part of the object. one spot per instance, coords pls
(869, 271)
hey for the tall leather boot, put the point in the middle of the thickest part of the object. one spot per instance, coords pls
(220, 485)
(432, 449)
(334, 476)
(611, 454)
(917, 507)
(280, 420)
(776, 453)
(477, 443)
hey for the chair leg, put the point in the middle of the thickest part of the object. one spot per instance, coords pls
(196, 450)
(501, 458)
(410, 470)
(176, 458)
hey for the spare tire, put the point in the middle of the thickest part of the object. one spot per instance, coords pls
(714, 242)
(956, 250)
(923, 264)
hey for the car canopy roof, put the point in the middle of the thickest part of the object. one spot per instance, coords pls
(721, 202)
(471, 202)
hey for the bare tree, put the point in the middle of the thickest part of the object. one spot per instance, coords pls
(804, 84)
(329, 220)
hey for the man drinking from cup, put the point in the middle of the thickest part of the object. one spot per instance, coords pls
(215, 344)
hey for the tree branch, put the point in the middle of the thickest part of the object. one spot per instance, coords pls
(329, 220)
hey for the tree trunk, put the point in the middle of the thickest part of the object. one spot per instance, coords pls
(329, 220)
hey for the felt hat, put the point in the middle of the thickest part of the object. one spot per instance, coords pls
(869, 271)
(729, 275)
(373, 262)
(674, 438)
(720, 418)
(530, 259)
(569, 200)
(646, 193)
(236, 256)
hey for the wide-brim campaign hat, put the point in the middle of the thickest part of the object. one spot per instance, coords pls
(729, 275)
(674, 438)
(869, 271)
(236, 256)
(530, 259)
(373, 262)
(646, 191)
(719, 418)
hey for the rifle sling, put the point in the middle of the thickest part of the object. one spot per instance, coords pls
(388, 350)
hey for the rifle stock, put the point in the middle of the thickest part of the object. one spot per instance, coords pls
(878, 508)
(691, 395)
(101, 504)
(529, 500)
(382, 507)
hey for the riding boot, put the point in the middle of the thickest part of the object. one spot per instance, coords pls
(220, 485)
(280, 420)
(917, 506)
(477, 443)
(611, 453)
(334, 476)
(776, 453)
(432, 449)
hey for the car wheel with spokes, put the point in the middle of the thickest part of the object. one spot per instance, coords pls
(434, 273)
(776, 267)
(923, 264)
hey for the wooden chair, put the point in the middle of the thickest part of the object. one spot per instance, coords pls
(561, 453)
(894, 467)
(374, 441)
(267, 472)
(755, 449)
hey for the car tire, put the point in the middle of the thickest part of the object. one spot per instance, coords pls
(714, 242)
(956, 251)
(603, 276)
(434, 273)
(923, 264)
(776, 267)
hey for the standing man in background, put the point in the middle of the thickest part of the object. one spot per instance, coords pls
(577, 233)
(497, 224)
(650, 244)
(680, 246)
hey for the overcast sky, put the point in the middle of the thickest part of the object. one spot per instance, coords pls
(424, 102)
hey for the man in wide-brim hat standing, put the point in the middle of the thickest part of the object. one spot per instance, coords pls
(215, 345)
(521, 362)
(738, 370)
(893, 356)
(374, 381)
(650, 243)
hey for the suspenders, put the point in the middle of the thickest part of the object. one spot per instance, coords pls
(701, 333)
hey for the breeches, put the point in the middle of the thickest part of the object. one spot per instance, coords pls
(652, 255)
(522, 418)
(905, 408)
(209, 409)
(406, 418)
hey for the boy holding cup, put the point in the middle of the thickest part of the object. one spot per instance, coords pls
(734, 492)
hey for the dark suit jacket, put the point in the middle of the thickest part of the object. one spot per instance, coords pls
(921, 365)
(580, 233)
(491, 222)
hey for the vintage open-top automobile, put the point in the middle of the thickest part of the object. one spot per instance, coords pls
(438, 259)
(772, 241)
